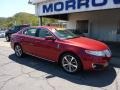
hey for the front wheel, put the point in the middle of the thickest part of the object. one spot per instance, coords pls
(18, 51)
(70, 63)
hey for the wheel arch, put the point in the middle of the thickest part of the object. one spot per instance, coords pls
(67, 52)
(74, 54)
(16, 43)
(22, 53)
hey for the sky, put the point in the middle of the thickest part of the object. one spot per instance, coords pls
(9, 8)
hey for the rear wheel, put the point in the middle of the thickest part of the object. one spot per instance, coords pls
(18, 51)
(70, 63)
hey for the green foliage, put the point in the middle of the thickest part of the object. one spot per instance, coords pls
(47, 21)
(23, 18)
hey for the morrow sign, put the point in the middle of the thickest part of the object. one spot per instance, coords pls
(70, 6)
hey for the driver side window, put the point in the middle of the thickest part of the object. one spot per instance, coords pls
(43, 33)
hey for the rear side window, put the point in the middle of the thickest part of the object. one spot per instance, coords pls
(31, 32)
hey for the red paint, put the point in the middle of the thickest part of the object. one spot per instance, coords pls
(52, 50)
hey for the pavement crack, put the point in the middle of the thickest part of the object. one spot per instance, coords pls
(28, 73)
(6, 64)
(5, 82)
(50, 84)
(3, 55)
(24, 72)
(3, 75)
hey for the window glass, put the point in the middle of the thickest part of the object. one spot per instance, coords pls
(64, 34)
(31, 32)
(43, 33)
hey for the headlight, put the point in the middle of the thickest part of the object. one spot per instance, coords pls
(103, 53)
(95, 53)
(108, 53)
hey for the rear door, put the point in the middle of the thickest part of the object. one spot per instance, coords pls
(28, 40)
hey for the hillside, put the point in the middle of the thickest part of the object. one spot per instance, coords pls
(23, 18)
(19, 18)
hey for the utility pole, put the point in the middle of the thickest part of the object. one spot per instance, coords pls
(15, 23)
(40, 21)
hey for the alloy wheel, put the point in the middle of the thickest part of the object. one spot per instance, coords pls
(70, 63)
(18, 51)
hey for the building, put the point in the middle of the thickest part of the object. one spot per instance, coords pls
(98, 19)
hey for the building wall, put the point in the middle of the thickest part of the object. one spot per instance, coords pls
(103, 24)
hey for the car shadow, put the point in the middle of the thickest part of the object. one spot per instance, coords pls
(94, 78)
(115, 62)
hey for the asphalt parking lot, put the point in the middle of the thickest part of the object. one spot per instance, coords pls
(31, 73)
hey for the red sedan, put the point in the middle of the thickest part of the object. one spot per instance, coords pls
(72, 52)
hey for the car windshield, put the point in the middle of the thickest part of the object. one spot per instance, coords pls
(64, 34)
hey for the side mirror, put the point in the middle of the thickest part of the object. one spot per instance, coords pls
(49, 38)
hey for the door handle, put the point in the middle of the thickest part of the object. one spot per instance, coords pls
(37, 41)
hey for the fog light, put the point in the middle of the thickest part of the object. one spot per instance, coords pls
(93, 66)
(98, 66)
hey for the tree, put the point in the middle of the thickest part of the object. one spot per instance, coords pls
(23, 18)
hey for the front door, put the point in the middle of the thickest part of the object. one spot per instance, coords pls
(47, 49)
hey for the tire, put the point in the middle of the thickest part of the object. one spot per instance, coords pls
(70, 63)
(7, 38)
(18, 51)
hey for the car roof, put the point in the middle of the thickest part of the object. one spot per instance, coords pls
(24, 25)
(47, 27)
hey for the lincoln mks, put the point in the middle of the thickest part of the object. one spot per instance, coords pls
(72, 52)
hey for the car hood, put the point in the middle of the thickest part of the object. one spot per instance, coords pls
(87, 43)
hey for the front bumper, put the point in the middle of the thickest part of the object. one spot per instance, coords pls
(97, 66)
(94, 62)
